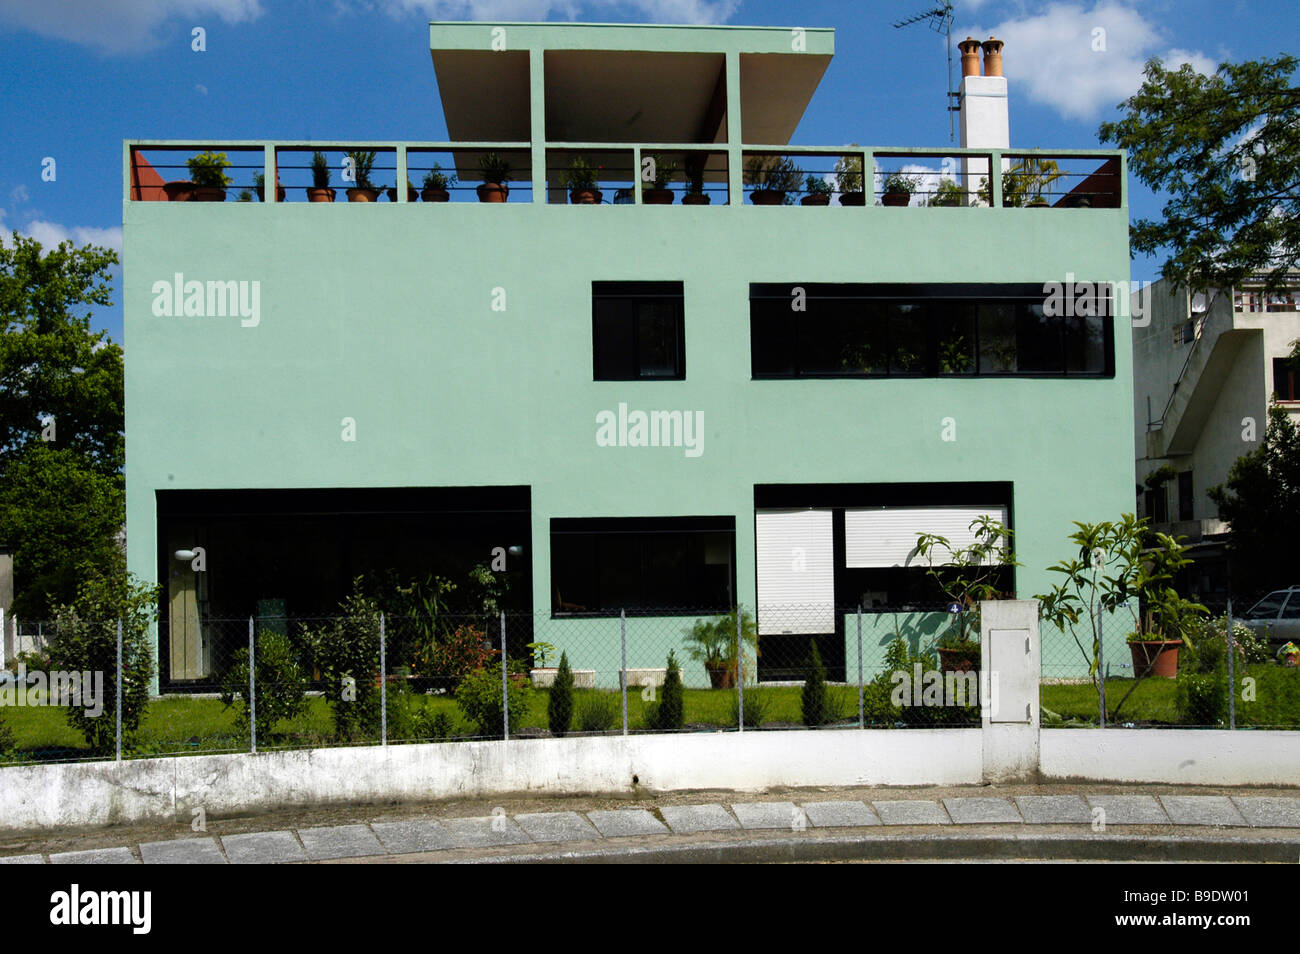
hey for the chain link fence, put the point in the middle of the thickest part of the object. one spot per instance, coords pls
(1221, 673)
(264, 683)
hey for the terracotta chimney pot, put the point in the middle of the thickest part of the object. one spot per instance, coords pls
(992, 57)
(970, 57)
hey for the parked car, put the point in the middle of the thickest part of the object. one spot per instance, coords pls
(1279, 613)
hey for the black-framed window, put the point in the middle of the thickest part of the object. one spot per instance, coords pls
(638, 331)
(1286, 382)
(873, 330)
(645, 565)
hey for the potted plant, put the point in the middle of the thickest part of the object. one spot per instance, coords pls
(818, 189)
(658, 193)
(713, 643)
(320, 190)
(949, 195)
(496, 173)
(695, 194)
(848, 180)
(1289, 655)
(898, 189)
(259, 186)
(435, 185)
(966, 576)
(244, 196)
(364, 190)
(1023, 183)
(580, 180)
(410, 192)
(542, 675)
(208, 174)
(772, 177)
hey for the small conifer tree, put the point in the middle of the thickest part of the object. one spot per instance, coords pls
(559, 710)
(669, 714)
(813, 698)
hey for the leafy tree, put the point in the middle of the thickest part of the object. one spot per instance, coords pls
(1226, 150)
(1261, 500)
(559, 707)
(280, 683)
(60, 515)
(61, 419)
(346, 650)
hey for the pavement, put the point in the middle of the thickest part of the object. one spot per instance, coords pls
(1030, 822)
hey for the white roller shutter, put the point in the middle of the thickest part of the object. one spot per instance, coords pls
(886, 536)
(796, 571)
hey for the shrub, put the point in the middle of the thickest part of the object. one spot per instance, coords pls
(433, 725)
(362, 164)
(461, 654)
(479, 698)
(668, 714)
(812, 701)
(880, 695)
(86, 640)
(281, 683)
(7, 743)
(597, 711)
(346, 650)
(758, 704)
(208, 169)
(773, 173)
(320, 171)
(559, 708)
(816, 185)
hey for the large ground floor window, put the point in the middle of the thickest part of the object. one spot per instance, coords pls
(600, 566)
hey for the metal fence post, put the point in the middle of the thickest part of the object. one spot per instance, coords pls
(252, 688)
(383, 684)
(1232, 674)
(862, 721)
(622, 676)
(740, 675)
(118, 693)
(1101, 667)
(505, 682)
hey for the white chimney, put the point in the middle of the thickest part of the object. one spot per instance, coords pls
(985, 123)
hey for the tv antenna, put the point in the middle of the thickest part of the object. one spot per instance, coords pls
(938, 19)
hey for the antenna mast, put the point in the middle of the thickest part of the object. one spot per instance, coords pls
(938, 19)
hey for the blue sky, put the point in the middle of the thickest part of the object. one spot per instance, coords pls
(82, 75)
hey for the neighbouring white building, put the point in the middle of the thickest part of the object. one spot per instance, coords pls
(1206, 368)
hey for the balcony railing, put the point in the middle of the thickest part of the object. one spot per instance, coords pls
(622, 174)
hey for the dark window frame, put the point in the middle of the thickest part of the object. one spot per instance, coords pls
(606, 291)
(633, 532)
(1286, 381)
(789, 337)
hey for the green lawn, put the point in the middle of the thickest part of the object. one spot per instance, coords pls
(181, 725)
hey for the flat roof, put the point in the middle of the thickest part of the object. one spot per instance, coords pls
(613, 82)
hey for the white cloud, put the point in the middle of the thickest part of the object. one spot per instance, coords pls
(654, 11)
(1079, 60)
(119, 26)
(50, 234)
(200, 89)
(18, 195)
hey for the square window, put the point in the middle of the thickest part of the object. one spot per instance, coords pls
(638, 331)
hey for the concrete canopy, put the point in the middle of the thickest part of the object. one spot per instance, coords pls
(624, 83)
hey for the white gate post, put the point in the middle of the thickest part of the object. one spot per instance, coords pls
(1009, 681)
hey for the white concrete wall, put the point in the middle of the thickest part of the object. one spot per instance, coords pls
(106, 793)
(1173, 756)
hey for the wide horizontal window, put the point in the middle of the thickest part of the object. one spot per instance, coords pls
(638, 331)
(820, 330)
(642, 565)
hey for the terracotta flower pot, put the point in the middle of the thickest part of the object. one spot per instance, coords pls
(435, 195)
(280, 194)
(815, 200)
(320, 195)
(853, 198)
(657, 196)
(1160, 654)
(360, 194)
(410, 194)
(179, 191)
(696, 198)
(493, 192)
(767, 197)
(959, 660)
(585, 197)
(1291, 660)
(721, 676)
(896, 198)
(209, 194)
